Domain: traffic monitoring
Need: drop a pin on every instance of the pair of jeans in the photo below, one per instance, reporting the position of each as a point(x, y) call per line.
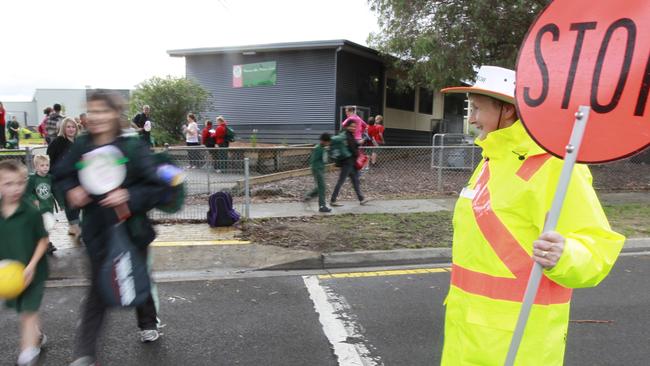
point(93, 313)
point(348, 170)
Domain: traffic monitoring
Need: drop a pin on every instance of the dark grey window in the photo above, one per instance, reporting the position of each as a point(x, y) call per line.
point(403, 98)
point(426, 101)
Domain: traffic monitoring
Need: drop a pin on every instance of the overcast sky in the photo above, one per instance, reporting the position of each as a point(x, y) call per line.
point(119, 43)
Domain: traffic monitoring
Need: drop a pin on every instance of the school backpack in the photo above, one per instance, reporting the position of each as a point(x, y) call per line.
point(230, 134)
point(221, 212)
point(339, 148)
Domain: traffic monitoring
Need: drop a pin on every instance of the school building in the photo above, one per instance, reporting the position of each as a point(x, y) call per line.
point(292, 92)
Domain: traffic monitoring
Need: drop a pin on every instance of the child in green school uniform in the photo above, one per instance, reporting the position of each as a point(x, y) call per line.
point(24, 240)
point(39, 191)
point(317, 162)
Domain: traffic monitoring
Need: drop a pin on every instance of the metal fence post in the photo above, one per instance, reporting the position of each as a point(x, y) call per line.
point(208, 171)
point(247, 196)
point(28, 159)
point(440, 162)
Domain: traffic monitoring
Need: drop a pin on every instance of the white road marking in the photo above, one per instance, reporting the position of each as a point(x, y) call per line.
point(338, 327)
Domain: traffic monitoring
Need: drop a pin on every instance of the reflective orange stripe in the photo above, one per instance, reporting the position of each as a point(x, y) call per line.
point(508, 249)
point(532, 165)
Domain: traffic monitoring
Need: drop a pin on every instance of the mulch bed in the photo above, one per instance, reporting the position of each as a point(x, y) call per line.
point(353, 232)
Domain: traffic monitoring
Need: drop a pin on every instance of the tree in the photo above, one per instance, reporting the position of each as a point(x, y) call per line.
point(170, 99)
point(441, 42)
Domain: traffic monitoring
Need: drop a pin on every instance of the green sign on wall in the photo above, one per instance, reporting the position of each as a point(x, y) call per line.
point(261, 73)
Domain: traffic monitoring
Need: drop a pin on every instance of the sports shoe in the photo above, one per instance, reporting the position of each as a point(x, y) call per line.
point(29, 357)
point(51, 248)
point(364, 202)
point(149, 335)
point(336, 204)
point(324, 209)
point(84, 361)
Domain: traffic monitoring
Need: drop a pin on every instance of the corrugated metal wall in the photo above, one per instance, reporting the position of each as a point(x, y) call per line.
point(296, 110)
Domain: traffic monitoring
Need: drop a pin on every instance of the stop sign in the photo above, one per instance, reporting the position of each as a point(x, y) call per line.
point(593, 53)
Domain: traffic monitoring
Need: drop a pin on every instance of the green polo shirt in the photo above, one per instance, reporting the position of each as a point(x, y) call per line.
point(20, 234)
point(39, 188)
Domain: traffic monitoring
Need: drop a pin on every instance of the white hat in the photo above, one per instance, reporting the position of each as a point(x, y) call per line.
point(493, 81)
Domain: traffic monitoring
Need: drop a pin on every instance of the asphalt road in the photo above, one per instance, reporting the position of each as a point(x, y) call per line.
point(388, 319)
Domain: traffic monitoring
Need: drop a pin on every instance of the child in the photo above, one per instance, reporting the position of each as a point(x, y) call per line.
point(14, 129)
point(39, 191)
point(317, 162)
point(376, 132)
point(24, 240)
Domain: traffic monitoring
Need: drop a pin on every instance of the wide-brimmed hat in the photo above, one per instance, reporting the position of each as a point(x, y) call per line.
point(492, 81)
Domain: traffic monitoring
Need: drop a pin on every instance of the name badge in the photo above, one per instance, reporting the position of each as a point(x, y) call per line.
point(468, 193)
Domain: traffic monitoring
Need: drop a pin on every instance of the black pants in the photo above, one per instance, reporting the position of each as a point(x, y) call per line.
point(3, 137)
point(193, 155)
point(348, 170)
point(212, 154)
point(222, 157)
point(14, 136)
point(93, 312)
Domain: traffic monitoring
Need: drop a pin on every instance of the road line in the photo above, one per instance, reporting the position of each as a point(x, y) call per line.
point(331, 314)
point(198, 243)
point(400, 272)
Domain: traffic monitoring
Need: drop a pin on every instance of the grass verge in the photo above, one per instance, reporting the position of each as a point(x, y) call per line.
point(351, 232)
point(629, 219)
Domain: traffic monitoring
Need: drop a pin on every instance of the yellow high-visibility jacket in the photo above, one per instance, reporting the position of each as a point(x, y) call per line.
point(497, 218)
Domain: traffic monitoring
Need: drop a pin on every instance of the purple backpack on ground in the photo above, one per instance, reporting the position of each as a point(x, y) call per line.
point(221, 212)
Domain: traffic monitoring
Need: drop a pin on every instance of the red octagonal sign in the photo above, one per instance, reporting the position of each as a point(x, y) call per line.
point(593, 53)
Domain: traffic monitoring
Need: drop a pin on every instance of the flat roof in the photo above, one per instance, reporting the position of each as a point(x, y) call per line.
point(277, 47)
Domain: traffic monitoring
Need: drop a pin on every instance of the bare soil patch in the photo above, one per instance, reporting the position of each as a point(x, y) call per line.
point(353, 232)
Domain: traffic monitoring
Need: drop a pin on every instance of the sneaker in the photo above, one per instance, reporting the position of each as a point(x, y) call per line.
point(324, 209)
point(51, 248)
point(364, 202)
point(336, 204)
point(42, 340)
point(149, 335)
point(84, 361)
point(29, 357)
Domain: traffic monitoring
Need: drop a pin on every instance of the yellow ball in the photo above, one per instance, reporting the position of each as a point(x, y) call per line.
point(12, 280)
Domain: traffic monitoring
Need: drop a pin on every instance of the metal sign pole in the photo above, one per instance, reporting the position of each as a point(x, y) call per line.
point(570, 157)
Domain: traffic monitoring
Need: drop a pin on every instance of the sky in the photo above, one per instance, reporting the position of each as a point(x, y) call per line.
point(119, 43)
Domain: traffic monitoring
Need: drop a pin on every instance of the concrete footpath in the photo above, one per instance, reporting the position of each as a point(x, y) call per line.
point(196, 250)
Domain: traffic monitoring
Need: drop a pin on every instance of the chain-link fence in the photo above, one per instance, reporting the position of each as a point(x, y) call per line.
point(208, 171)
point(282, 174)
point(415, 172)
